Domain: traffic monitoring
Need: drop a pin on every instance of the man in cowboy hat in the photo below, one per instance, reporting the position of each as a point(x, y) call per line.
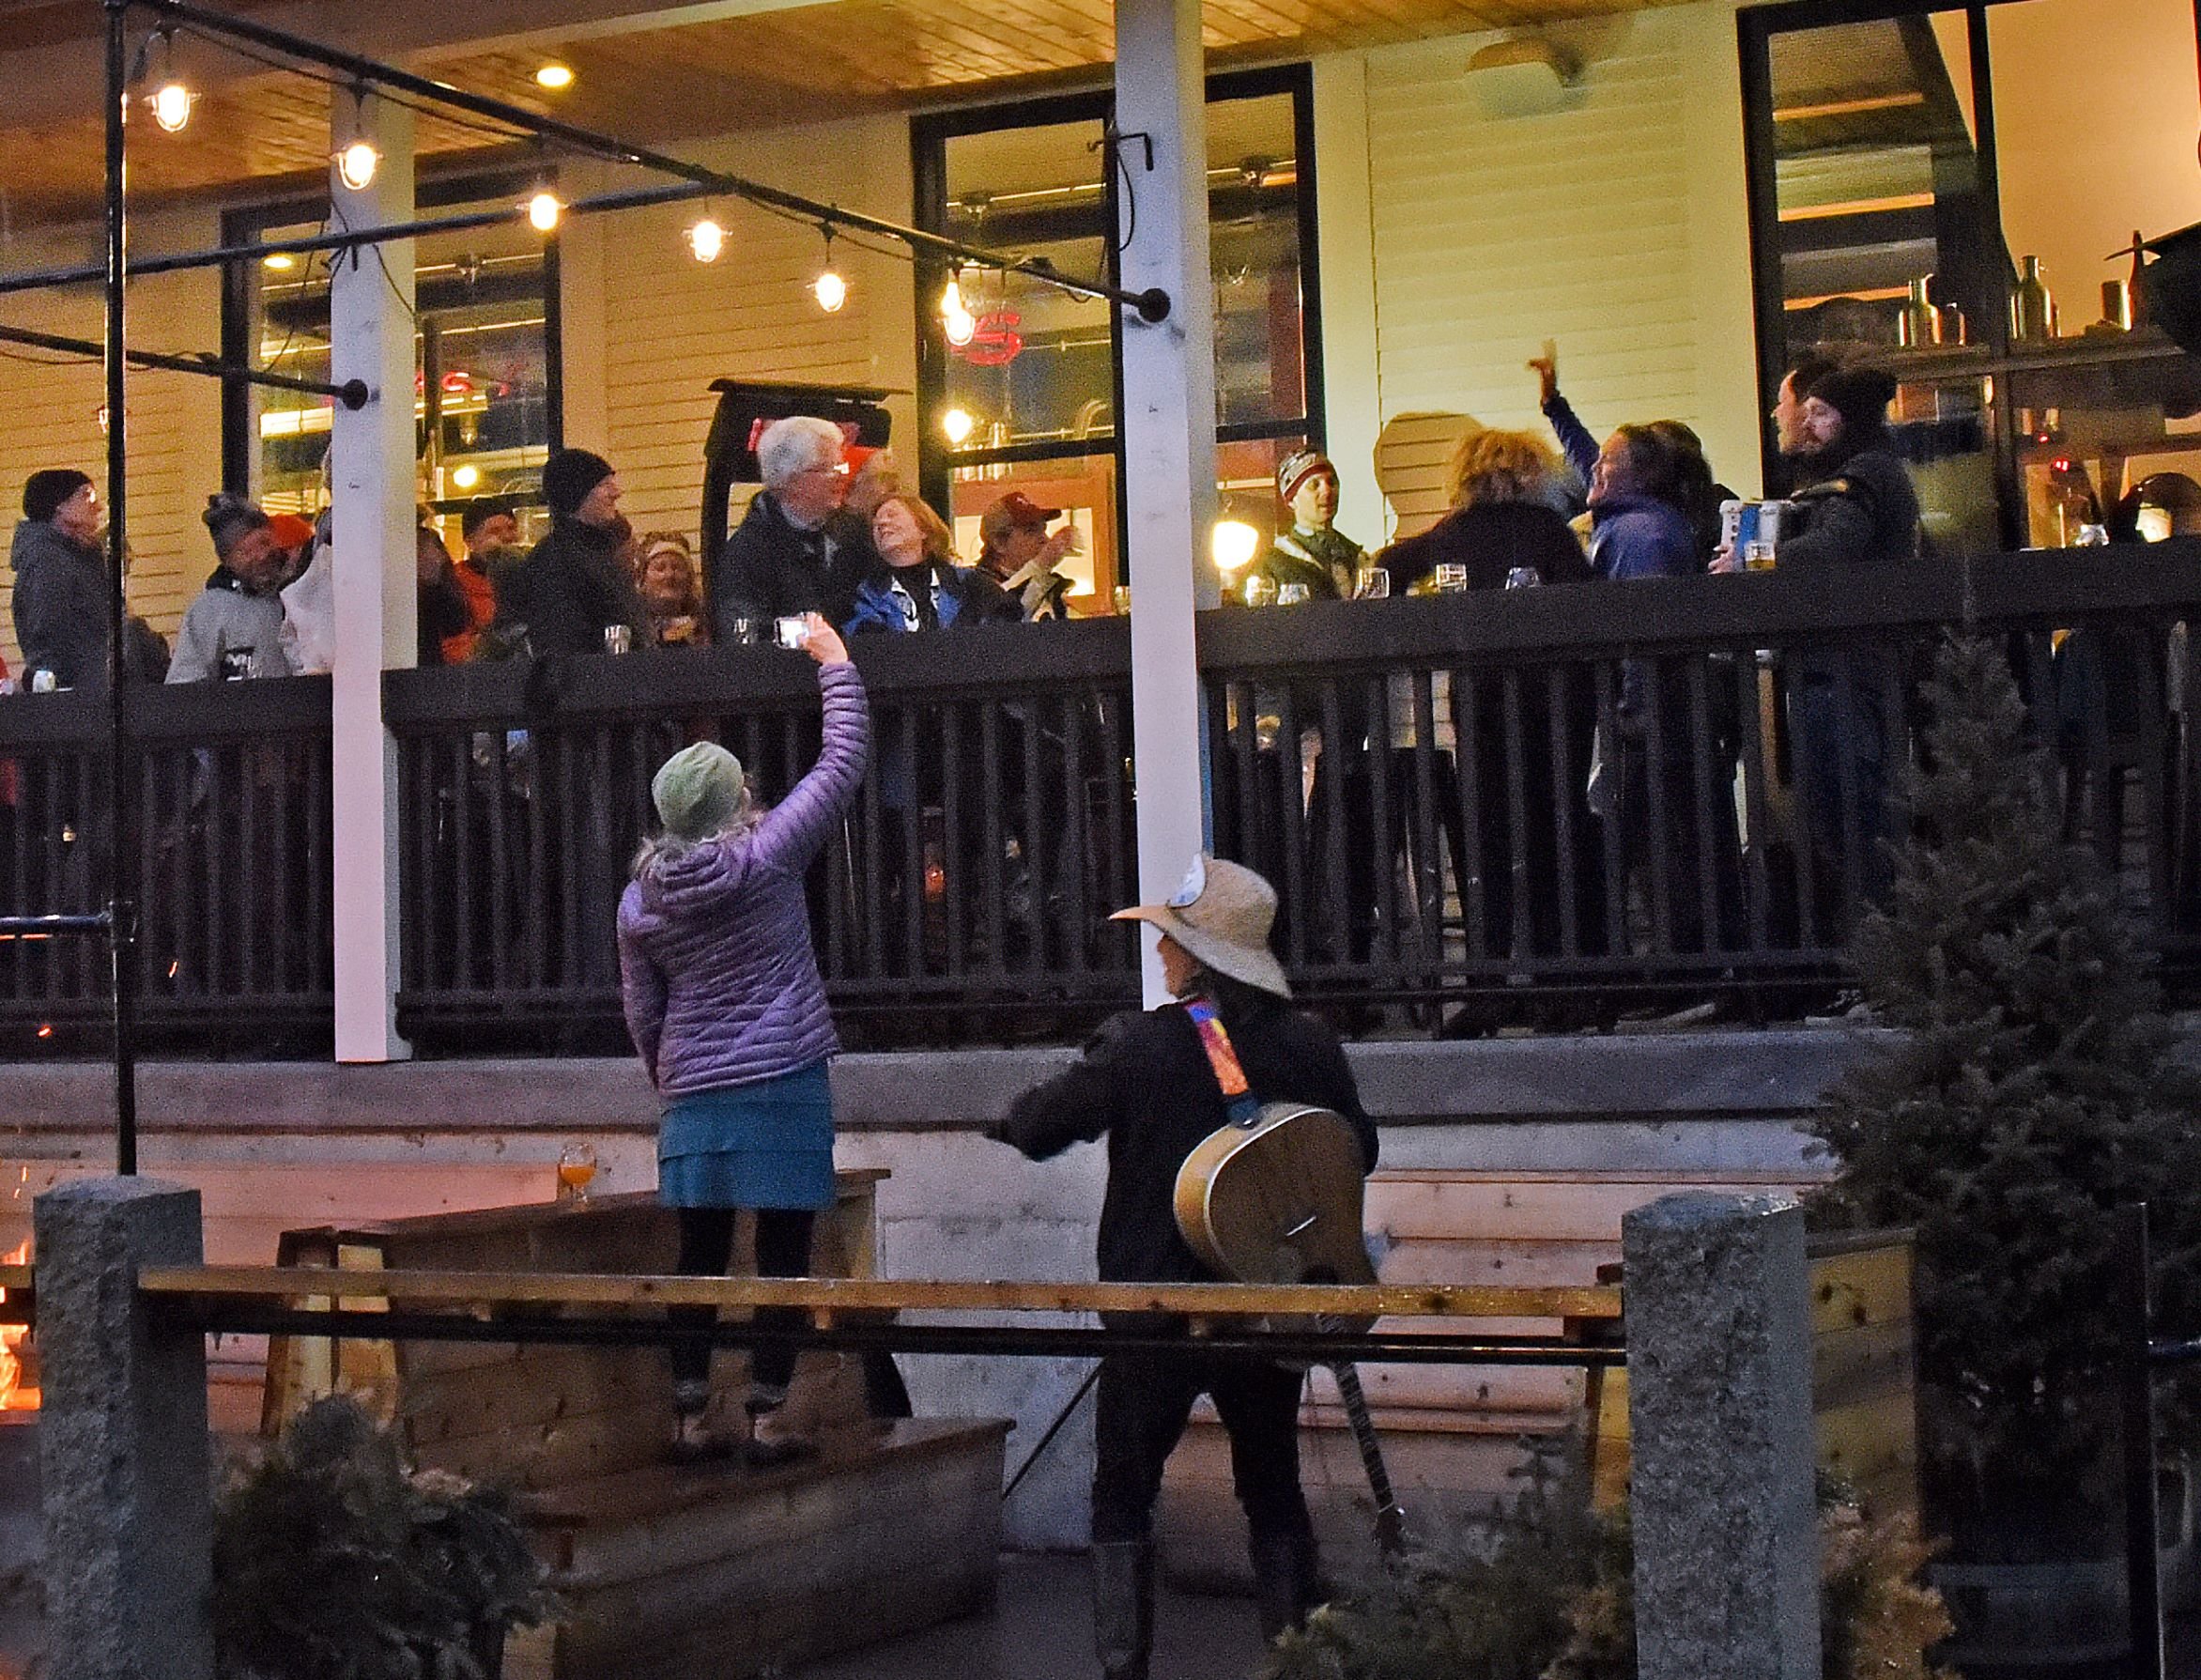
point(1145, 1080)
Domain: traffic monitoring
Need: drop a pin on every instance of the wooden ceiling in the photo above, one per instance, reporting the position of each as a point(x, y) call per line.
point(656, 86)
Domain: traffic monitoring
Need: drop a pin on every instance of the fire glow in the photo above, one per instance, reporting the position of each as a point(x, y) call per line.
point(15, 1395)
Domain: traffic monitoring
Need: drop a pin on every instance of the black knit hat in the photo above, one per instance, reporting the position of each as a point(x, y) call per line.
point(44, 492)
point(483, 509)
point(229, 518)
point(568, 476)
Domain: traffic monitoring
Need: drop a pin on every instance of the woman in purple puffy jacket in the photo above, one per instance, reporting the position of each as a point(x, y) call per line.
point(728, 1011)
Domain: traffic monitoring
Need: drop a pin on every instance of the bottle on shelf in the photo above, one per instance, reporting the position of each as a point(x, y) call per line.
point(1920, 322)
point(2032, 309)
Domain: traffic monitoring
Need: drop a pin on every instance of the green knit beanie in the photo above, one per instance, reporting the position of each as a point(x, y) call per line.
point(697, 790)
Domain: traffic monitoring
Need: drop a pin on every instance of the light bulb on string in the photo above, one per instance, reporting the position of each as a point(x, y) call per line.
point(1234, 544)
point(706, 240)
point(356, 166)
point(960, 327)
point(956, 426)
point(172, 102)
point(951, 294)
point(829, 288)
point(543, 210)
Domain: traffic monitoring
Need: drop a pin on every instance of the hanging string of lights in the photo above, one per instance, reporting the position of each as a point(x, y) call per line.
point(355, 163)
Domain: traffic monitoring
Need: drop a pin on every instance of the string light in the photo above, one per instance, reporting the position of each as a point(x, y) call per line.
point(957, 322)
point(555, 76)
point(465, 477)
point(957, 426)
point(280, 261)
point(544, 211)
point(172, 102)
point(706, 240)
point(1234, 544)
point(356, 166)
point(829, 288)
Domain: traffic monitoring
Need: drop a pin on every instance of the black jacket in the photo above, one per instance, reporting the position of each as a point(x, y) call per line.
point(771, 566)
point(1490, 539)
point(60, 606)
point(567, 590)
point(1862, 509)
point(1144, 1079)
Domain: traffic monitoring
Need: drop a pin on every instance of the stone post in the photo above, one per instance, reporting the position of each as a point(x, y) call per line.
point(1719, 1421)
point(123, 1449)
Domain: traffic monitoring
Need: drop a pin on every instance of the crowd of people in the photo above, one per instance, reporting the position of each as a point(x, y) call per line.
point(843, 538)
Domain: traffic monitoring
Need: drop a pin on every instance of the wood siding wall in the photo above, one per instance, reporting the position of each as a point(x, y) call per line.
point(50, 416)
point(665, 326)
point(1614, 223)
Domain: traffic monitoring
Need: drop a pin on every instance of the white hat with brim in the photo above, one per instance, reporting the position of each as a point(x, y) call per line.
point(1222, 915)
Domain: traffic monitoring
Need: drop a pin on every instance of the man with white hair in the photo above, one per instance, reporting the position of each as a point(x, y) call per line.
point(793, 552)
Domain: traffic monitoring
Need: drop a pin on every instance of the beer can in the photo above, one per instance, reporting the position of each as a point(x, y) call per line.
point(1731, 525)
point(1523, 578)
point(42, 681)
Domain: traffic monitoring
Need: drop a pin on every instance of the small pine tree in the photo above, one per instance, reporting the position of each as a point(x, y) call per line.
point(2032, 1093)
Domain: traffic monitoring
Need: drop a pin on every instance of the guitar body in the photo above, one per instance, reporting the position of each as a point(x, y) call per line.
point(1278, 1201)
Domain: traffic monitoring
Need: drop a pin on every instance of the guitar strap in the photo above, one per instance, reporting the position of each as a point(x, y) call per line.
point(1238, 1102)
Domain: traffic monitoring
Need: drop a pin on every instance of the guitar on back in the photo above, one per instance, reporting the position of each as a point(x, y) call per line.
point(1274, 1196)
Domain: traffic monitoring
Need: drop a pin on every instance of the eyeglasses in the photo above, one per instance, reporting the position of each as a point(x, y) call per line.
point(837, 468)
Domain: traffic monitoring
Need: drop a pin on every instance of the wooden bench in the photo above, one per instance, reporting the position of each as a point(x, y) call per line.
point(668, 1572)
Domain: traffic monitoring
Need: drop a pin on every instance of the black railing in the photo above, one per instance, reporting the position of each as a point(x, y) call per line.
point(1415, 775)
point(968, 885)
point(233, 849)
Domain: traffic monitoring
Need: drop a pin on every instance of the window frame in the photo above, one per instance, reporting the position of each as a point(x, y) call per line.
point(245, 224)
point(928, 135)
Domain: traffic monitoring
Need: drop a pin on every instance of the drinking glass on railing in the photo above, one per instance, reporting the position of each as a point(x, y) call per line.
point(1452, 580)
point(577, 1167)
point(1260, 591)
point(1291, 594)
point(1372, 585)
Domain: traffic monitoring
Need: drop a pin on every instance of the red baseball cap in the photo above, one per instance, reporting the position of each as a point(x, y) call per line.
point(1013, 511)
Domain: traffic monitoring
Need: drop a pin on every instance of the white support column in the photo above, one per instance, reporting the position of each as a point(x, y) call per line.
point(371, 486)
point(1168, 427)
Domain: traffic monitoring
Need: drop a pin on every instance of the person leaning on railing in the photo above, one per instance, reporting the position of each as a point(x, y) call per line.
point(1505, 531)
point(1649, 489)
point(727, 1009)
point(571, 587)
point(1857, 509)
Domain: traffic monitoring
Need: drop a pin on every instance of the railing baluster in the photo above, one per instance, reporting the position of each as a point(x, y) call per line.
point(1468, 750)
point(954, 843)
point(1705, 817)
point(1386, 832)
point(1519, 893)
point(1566, 776)
point(1755, 760)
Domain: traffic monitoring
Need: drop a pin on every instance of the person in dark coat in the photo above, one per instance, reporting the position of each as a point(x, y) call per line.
point(796, 549)
point(440, 602)
point(572, 585)
point(1145, 1082)
point(60, 583)
point(1505, 531)
point(1856, 512)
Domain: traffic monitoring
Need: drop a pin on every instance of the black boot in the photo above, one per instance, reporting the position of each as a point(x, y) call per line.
point(1286, 1580)
point(1123, 1606)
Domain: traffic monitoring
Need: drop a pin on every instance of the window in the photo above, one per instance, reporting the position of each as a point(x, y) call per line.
point(1029, 404)
point(1960, 188)
point(485, 340)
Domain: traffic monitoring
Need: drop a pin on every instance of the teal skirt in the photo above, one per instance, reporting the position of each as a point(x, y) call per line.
point(766, 1144)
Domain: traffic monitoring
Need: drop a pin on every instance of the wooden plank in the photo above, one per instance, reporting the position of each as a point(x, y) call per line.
point(1517, 1262)
point(828, 1295)
point(1865, 1286)
point(1565, 1208)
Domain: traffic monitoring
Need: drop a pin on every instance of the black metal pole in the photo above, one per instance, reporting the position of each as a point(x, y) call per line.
point(352, 394)
point(121, 826)
point(1151, 305)
point(2143, 1563)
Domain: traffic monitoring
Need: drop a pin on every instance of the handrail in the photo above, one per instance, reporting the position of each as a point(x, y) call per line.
point(2058, 588)
point(827, 1296)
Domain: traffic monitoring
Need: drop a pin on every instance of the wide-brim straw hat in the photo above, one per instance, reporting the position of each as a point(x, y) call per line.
point(1222, 915)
